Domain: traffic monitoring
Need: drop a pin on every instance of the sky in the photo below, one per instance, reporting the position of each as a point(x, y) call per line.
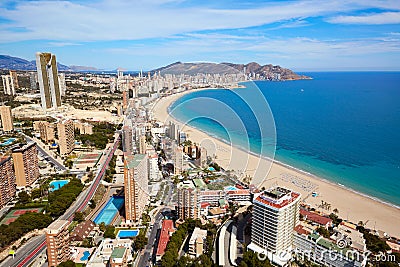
point(318, 35)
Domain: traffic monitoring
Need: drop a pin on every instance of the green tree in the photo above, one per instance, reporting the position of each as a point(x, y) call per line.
point(140, 241)
point(68, 263)
point(79, 217)
point(24, 197)
point(323, 231)
point(109, 232)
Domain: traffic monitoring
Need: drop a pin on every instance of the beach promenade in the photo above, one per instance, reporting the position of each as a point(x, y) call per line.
point(351, 205)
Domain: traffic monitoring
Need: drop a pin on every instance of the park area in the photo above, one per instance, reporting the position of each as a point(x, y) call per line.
point(14, 214)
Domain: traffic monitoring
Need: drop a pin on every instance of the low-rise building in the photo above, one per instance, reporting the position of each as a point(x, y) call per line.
point(197, 242)
point(167, 229)
point(102, 257)
point(82, 231)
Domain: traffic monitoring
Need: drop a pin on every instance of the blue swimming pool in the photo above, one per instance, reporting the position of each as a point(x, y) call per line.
point(230, 188)
point(127, 233)
point(109, 211)
point(8, 142)
point(85, 256)
point(57, 184)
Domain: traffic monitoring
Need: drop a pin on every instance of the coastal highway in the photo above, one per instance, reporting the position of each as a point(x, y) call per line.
point(27, 253)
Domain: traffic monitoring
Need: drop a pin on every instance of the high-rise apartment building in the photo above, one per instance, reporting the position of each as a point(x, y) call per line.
point(14, 78)
point(127, 140)
point(178, 160)
point(66, 136)
point(6, 119)
point(7, 181)
point(46, 130)
point(275, 214)
point(142, 144)
point(8, 84)
point(188, 201)
point(46, 65)
point(26, 164)
point(136, 186)
point(57, 241)
point(154, 171)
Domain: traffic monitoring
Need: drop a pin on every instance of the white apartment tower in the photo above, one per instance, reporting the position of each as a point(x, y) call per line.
point(50, 94)
point(275, 214)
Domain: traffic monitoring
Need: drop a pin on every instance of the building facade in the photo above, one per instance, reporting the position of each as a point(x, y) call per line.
point(275, 214)
point(46, 130)
point(6, 118)
point(136, 187)
point(26, 164)
point(7, 181)
point(50, 94)
point(8, 84)
point(66, 136)
point(57, 241)
point(188, 201)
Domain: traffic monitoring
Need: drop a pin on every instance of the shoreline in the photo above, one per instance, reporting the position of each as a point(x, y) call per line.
point(371, 210)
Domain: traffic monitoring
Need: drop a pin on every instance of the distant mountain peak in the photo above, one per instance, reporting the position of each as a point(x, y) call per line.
point(252, 68)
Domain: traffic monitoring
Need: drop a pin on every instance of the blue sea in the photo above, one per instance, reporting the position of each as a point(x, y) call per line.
point(341, 126)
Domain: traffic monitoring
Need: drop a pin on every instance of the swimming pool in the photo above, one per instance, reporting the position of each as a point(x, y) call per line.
point(85, 256)
point(230, 188)
point(108, 213)
point(127, 233)
point(57, 184)
point(8, 142)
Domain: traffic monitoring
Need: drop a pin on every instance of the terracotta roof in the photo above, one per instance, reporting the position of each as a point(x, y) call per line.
point(166, 229)
point(239, 192)
point(300, 230)
point(311, 216)
point(204, 204)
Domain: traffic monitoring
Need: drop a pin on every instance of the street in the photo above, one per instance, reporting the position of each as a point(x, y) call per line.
point(25, 254)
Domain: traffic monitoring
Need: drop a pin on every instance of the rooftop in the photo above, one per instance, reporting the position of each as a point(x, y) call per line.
point(166, 229)
point(278, 197)
point(56, 226)
point(118, 253)
point(133, 162)
point(197, 232)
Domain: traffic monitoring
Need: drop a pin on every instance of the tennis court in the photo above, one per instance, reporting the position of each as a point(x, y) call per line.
point(14, 214)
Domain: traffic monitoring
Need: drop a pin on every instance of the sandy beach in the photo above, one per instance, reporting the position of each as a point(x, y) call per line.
point(352, 206)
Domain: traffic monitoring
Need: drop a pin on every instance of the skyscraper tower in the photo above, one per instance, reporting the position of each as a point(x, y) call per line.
point(275, 214)
point(46, 65)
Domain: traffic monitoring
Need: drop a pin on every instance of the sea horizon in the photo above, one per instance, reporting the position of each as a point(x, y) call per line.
point(335, 171)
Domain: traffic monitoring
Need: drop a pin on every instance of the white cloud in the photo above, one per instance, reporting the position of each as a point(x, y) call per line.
point(381, 18)
point(135, 20)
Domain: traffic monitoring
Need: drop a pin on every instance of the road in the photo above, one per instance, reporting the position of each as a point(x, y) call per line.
point(148, 254)
point(44, 153)
point(35, 246)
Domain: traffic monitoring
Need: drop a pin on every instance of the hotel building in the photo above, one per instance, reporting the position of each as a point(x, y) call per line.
point(7, 181)
point(188, 201)
point(275, 215)
point(26, 164)
point(57, 241)
point(66, 136)
point(136, 187)
point(6, 118)
point(46, 65)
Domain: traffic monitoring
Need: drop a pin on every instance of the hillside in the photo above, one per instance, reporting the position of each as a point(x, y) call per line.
point(264, 71)
point(16, 63)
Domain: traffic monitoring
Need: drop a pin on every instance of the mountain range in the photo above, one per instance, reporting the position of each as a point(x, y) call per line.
point(265, 71)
